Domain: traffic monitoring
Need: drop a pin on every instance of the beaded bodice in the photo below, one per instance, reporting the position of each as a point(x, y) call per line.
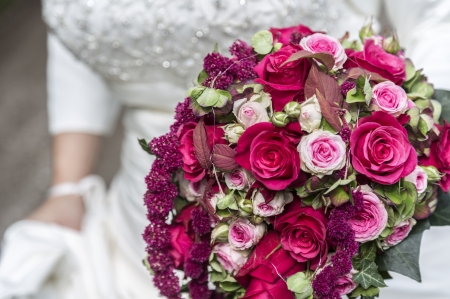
point(143, 40)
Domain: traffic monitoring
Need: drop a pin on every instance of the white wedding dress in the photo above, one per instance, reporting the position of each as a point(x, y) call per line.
point(142, 55)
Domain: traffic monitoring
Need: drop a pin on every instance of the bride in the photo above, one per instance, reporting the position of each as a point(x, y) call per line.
point(85, 241)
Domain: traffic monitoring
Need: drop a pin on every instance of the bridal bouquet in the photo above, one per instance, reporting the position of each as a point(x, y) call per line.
point(300, 166)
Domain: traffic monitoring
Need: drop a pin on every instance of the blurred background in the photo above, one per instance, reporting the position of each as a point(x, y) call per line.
point(25, 144)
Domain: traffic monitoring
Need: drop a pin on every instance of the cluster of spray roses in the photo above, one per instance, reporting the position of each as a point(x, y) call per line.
point(285, 136)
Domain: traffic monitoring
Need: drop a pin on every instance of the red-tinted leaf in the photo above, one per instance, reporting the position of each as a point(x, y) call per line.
point(202, 150)
point(326, 59)
point(354, 73)
point(329, 112)
point(223, 157)
point(328, 86)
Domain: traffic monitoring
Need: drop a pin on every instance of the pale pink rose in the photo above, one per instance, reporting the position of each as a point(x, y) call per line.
point(272, 208)
point(419, 178)
point(401, 231)
point(190, 190)
point(239, 179)
point(249, 113)
point(310, 115)
point(232, 260)
point(345, 284)
point(322, 43)
point(322, 152)
point(243, 234)
point(390, 98)
point(370, 222)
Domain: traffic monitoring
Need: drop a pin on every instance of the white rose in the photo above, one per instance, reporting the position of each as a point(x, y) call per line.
point(233, 132)
point(310, 116)
point(189, 190)
point(419, 178)
point(239, 179)
point(272, 208)
point(249, 113)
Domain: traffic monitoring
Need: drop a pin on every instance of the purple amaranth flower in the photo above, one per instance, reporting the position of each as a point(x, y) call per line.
point(193, 269)
point(221, 81)
point(200, 252)
point(345, 134)
point(166, 148)
point(158, 204)
point(183, 115)
point(201, 223)
point(160, 260)
point(215, 63)
point(167, 283)
point(241, 50)
point(346, 86)
point(199, 290)
point(157, 235)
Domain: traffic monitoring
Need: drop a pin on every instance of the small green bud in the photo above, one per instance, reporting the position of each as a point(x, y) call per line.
point(233, 132)
point(433, 174)
point(293, 109)
point(257, 219)
point(366, 32)
point(245, 206)
point(220, 233)
point(391, 44)
point(280, 119)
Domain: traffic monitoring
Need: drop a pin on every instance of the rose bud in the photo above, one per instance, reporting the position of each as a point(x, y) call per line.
point(272, 208)
point(390, 98)
point(433, 174)
point(244, 235)
point(280, 119)
point(190, 190)
point(322, 152)
point(391, 44)
point(345, 284)
point(231, 260)
point(249, 113)
point(366, 32)
point(255, 219)
point(220, 233)
point(401, 231)
point(239, 179)
point(233, 132)
point(293, 109)
point(419, 178)
point(310, 116)
point(245, 207)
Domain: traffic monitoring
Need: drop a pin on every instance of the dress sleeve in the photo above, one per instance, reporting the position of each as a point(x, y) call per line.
point(423, 27)
point(79, 100)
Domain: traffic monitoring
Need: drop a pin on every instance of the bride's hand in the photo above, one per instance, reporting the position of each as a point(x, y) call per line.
point(67, 210)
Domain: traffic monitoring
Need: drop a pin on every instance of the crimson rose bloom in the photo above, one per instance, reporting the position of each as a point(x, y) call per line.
point(192, 169)
point(285, 35)
point(375, 59)
point(261, 274)
point(286, 82)
point(440, 156)
point(270, 153)
point(380, 149)
point(181, 236)
point(303, 233)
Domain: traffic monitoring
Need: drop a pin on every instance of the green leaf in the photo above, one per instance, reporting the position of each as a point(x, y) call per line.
point(339, 196)
point(393, 193)
point(441, 216)
point(300, 284)
point(368, 275)
point(443, 97)
point(144, 145)
point(218, 276)
point(404, 257)
point(369, 251)
point(216, 266)
point(229, 286)
point(325, 125)
point(210, 97)
point(360, 291)
point(226, 201)
point(202, 77)
point(262, 42)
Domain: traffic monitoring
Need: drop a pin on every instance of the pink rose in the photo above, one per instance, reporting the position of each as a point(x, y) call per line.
point(375, 59)
point(322, 152)
point(381, 150)
point(401, 231)
point(243, 234)
point(286, 35)
point(419, 178)
point(232, 260)
point(345, 284)
point(303, 233)
point(285, 82)
point(181, 236)
point(390, 98)
point(370, 222)
point(190, 190)
point(249, 113)
point(239, 179)
point(270, 154)
point(273, 207)
point(192, 169)
point(322, 43)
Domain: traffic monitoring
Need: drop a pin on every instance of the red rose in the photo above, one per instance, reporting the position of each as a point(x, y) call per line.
point(350, 62)
point(286, 35)
point(192, 169)
point(262, 273)
point(283, 82)
point(181, 236)
point(303, 233)
point(375, 59)
point(270, 153)
point(381, 150)
point(440, 156)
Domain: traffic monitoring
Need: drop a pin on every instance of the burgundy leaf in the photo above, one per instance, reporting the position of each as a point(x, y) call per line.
point(329, 112)
point(202, 150)
point(326, 59)
point(328, 86)
point(354, 73)
point(223, 157)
